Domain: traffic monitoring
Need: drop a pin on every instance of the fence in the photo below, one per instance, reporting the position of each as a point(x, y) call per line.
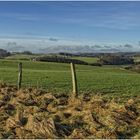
point(56, 78)
point(73, 73)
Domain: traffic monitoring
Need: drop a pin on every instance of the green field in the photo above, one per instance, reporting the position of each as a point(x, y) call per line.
point(28, 57)
point(87, 59)
point(20, 57)
point(56, 77)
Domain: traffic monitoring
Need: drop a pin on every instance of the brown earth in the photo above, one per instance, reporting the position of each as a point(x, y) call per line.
point(33, 113)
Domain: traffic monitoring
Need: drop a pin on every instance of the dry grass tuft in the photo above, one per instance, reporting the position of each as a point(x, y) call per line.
point(33, 113)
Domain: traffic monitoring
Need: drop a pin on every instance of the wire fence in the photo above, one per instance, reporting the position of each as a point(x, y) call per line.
point(23, 78)
point(93, 80)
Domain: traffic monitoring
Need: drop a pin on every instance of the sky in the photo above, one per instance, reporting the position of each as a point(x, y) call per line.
point(71, 23)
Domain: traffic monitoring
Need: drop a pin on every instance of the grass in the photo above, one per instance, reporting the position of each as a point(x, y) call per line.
point(20, 57)
point(28, 57)
point(87, 59)
point(56, 77)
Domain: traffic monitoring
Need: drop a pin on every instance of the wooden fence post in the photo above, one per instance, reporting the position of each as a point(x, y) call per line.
point(19, 75)
point(74, 81)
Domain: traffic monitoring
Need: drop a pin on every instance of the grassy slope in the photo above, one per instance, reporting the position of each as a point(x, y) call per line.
point(28, 57)
point(57, 77)
point(87, 59)
point(20, 57)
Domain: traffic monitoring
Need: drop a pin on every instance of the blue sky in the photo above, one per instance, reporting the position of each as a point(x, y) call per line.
point(83, 22)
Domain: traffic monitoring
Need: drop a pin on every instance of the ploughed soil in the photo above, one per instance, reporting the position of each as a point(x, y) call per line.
point(34, 113)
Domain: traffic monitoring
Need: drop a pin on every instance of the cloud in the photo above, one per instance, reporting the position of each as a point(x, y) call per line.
point(128, 46)
point(139, 43)
point(110, 50)
point(53, 39)
point(13, 46)
point(122, 16)
point(107, 47)
point(118, 17)
point(54, 44)
point(96, 46)
point(23, 16)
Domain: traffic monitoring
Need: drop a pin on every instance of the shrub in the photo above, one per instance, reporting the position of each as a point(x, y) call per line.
point(96, 64)
point(60, 60)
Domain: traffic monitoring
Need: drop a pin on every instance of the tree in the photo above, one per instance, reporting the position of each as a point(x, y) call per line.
point(27, 52)
point(116, 60)
point(4, 53)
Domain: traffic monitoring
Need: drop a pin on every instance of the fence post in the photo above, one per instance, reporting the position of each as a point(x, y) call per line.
point(19, 75)
point(74, 80)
